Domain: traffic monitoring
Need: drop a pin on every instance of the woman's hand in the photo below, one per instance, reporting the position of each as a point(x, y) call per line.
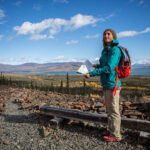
point(87, 75)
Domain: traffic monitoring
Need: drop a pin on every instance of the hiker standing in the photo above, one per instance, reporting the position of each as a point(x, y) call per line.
point(109, 59)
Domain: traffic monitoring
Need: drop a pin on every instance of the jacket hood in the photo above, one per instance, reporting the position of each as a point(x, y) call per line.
point(114, 42)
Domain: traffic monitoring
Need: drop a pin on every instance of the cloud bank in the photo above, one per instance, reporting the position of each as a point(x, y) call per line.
point(132, 33)
point(48, 28)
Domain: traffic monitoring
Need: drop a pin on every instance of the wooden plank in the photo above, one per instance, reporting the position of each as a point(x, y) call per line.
point(73, 114)
point(136, 124)
point(142, 125)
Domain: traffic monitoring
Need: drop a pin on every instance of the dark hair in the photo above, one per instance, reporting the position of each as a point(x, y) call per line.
point(113, 33)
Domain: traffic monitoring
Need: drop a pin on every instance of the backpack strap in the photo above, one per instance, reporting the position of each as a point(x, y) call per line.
point(125, 53)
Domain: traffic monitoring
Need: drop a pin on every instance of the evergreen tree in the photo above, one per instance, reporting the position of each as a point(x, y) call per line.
point(61, 85)
point(67, 83)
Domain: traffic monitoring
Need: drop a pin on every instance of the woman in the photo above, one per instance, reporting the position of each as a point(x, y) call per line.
point(109, 59)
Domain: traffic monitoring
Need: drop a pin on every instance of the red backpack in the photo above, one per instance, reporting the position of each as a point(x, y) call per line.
point(124, 68)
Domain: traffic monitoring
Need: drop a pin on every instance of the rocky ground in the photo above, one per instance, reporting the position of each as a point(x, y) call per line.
point(22, 128)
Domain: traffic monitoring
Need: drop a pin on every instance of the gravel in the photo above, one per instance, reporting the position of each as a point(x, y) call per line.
point(21, 130)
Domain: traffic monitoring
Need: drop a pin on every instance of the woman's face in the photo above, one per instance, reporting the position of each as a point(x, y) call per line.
point(108, 37)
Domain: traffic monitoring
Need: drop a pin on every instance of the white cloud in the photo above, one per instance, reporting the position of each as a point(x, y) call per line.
point(60, 58)
point(52, 26)
point(80, 20)
point(72, 42)
point(141, 61)
point(139, 2)
point(2, 14)
point(33, 28)
point(22, 60)
point(92, 36)
point(37, 7)
point(146, 30)
point(13, 61)
point(127, 34)
point(18, 3)
point(63, 59)
point(61, 1)
point(1, 36)
point(2, 22)
point(40, 37)
point(132, 33)
point(110, 16)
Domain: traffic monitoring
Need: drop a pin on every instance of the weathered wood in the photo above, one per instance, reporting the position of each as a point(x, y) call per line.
point(73, 114)
point(142, 125)
point(136, 124)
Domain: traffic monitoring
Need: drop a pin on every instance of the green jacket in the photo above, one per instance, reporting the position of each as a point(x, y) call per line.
point(109, 59)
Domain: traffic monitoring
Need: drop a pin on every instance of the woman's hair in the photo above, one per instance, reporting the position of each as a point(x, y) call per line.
point(113, 33)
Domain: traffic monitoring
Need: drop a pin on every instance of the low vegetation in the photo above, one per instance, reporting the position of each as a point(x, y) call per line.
point(134, 88)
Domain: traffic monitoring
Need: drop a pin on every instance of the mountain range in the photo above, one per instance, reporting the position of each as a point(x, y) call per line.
point(35, 67)
point(52, 67)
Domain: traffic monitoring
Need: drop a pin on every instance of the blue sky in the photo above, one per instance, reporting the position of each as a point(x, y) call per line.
point(44, 31)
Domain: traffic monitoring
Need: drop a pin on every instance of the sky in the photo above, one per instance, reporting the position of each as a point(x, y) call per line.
point(43, 31)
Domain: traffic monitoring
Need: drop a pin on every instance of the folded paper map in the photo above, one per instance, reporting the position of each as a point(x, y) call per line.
point(86, 67)
point(83, 69)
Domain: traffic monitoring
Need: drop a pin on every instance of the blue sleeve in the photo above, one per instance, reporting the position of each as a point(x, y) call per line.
point(112, 62)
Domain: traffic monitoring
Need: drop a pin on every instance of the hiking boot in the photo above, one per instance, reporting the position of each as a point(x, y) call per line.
point(110, 138)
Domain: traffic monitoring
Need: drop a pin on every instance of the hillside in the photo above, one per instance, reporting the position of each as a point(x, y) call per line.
point(34, 67)
point(60, 67)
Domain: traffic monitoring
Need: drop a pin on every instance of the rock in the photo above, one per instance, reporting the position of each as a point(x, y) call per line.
point(44, 131)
